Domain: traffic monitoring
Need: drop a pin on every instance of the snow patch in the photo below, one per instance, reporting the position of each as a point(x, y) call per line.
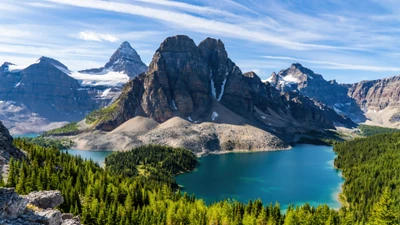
point(173, 105)
point(17, 84)
point(190, 119)
point(222, 90)
point(109, 79)
point(263, 117)
point(338, 111)
point(106, 92)
point(214, 115)
point(213, 91)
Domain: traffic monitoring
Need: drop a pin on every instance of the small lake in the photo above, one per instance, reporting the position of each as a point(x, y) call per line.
point(32, 135)
point(97, 156)
point(302, 174)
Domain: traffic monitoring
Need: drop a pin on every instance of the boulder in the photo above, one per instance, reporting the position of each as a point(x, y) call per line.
point(45, 199)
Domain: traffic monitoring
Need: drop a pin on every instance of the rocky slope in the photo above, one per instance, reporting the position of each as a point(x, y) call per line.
point(312, 85)
point(33, 209)
point(7, 151)
point(46, 94)
point(202, 86)
point(380, 99)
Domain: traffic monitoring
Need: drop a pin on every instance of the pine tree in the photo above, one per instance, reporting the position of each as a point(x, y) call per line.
point(383, 210)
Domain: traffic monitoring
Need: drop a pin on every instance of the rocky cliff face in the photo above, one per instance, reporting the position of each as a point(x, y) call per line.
point(314, 86)
point(33, 209)
point(125, 60)
point(380, 99)
point(7, 150)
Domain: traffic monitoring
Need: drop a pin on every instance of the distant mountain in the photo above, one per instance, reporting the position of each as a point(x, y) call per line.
point(200, 88)
point(379, 99)
point(314, 86)
point(125, 60)
point(46, 94)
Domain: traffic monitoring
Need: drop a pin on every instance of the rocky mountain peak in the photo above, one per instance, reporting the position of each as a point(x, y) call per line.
point(125, 60)
point(178, 43)
point(50, 61)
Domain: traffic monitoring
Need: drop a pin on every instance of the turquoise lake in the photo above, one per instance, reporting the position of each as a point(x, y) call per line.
point(97, 156)
point(303, 174)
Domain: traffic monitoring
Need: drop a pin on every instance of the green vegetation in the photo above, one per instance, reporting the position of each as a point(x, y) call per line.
point(367, 130)
point(156, 162)
point(133, 188)
point(69, 129)
point(370, 165)
point(63, 143)
point(102, 114)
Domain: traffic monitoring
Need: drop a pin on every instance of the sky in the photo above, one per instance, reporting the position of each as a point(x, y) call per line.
point(345, 40)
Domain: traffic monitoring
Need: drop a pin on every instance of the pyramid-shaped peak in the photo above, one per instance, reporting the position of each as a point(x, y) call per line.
point(51, 61)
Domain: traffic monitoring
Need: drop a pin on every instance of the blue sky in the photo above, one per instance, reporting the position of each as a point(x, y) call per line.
point(344, 40)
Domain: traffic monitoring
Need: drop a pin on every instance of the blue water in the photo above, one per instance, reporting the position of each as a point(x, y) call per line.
point(302, 174)
point(33, 135)
point(97, 156)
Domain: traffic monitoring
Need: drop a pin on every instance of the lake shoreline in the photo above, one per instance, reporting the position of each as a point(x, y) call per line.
point(202, 154)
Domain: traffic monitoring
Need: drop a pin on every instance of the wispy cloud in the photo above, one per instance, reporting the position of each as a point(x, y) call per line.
point(92, 36)
point(335, 65)
point(199, 24)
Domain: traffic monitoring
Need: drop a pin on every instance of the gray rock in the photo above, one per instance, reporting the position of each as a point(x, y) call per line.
point(45, 199)
point(11, 204)
point(50, 216)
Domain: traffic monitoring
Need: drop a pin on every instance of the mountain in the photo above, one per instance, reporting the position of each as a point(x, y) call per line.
point(125, 60)
point(46, 94)
point(198, 94)
point(379, 99)
point(314, 86)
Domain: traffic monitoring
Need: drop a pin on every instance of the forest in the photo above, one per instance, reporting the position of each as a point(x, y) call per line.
point(135, 187)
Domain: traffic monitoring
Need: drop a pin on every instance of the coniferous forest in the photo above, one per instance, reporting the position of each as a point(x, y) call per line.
point(137, 187)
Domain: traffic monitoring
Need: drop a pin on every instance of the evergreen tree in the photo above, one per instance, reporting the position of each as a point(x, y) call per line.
point(383, 211)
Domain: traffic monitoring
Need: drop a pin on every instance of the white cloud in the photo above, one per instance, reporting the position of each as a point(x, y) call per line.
point(92, 36)
point(198, 24)
point(336, 65)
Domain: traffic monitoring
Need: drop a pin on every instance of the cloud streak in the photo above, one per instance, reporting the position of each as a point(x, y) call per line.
point(92, 36)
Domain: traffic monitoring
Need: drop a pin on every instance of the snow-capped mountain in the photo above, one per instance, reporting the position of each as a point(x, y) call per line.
point(305, 81)
point(47, 92)
point(124, 61)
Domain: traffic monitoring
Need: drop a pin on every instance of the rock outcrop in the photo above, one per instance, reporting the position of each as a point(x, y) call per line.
point(33, 209)
point(7, 150)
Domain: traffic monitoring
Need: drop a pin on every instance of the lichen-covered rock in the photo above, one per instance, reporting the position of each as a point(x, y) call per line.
point(28, 210)
point(45, 199)
point(11, 204)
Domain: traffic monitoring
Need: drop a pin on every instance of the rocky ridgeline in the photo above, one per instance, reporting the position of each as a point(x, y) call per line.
point(33, 209)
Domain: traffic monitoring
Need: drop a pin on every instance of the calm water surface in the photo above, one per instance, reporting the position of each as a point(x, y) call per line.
point(97, 156)
point(302, 174)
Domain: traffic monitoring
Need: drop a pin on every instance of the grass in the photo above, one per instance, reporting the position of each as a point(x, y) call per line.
point(69, 129)
point(101, 114)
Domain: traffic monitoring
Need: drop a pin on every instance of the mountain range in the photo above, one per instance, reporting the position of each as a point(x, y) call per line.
point(46, 94)
point(194, 92)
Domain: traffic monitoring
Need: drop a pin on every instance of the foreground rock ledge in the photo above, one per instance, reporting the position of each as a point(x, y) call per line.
point(33, 209)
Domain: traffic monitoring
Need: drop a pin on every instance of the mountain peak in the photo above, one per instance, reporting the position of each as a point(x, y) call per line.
point(53, 62)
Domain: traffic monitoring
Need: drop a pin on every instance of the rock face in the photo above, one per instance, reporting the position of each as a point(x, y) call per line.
point(380, 99)
point(7, 150)
point(125, 60)
point(314, 86)
point(33, 209)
